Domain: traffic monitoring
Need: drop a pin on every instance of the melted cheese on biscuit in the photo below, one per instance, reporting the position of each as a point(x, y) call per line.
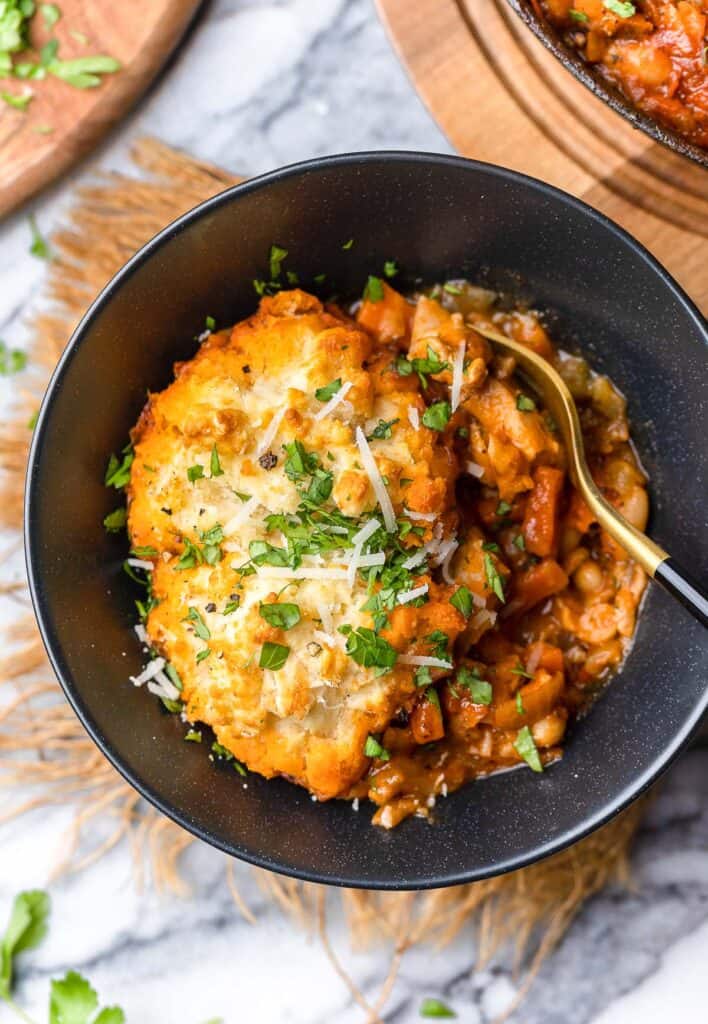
point(200, 466)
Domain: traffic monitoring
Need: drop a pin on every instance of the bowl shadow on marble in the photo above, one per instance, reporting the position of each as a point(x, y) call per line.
point(437, 216)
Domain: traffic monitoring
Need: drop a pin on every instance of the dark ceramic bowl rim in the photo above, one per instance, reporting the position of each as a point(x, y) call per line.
point(33, 557)
point(612, 97)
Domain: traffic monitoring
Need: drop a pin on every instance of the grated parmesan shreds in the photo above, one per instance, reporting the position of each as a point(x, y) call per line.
point(272, 572)
point(410, 595)
point(140, 563)
point(447, 560)
point(458, 366)
point(168, 687)
point(325, 617)
point(414, 417)
point(358, 540)
point(423, 517)
point(377, 483)
point(240, 517)
point(367, 561)
point(149, 672)
point(474, 469)
point(368, 530)
point(141, 632)
point(334, 401)
point(328, 639)
point(423, 661)
point(271, 431)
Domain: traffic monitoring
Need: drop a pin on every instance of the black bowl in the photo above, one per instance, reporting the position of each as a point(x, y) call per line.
point(437, 216)
point(586, 74)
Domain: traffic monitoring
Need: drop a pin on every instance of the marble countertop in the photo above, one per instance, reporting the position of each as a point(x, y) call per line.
point(256, 84)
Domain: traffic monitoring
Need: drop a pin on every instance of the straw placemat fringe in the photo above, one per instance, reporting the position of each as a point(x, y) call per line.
point(47, 759)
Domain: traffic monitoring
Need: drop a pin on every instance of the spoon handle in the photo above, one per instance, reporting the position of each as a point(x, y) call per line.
point(680, 585)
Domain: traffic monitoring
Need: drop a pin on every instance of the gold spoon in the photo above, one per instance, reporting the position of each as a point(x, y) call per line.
point(656, 562)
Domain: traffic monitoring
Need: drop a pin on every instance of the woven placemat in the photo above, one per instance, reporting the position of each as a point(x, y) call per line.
point(44, 751)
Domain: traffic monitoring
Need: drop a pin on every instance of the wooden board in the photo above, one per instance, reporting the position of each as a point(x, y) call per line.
point(500, 96)
point(141, 35)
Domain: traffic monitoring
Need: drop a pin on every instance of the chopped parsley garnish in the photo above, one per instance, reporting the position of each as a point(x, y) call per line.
point(115, 521)
point(620, 8)
point(215, 465)
point(203, 655)
point(144, 552)
point(519, 702)
point(242, 496)
point(212, 539)
point(372, 748)
point(200, 627)
point(526, 747)
point(299, 462)
point(382, 431)
point(519, 542)
point(329, 390)
point(462, 600)
point(191, 556)
point(291, 277)
point(172, 673)
point(434, 1008)
point(438, 643)
point(373, 291)
point(437, 415)
point(524, 403)
point(479, 689)
point(195, 472)
point(263, 553)
point(118, 470)
point(275, 258)
point(490, 545)
point(390, 268)
point(223, 753)
point(423, 367)
point(39, 246)
point(231, 605)
point(348, 245)
point(282, 616)
point(273, 656)
point(320, 487)
point(50, 13)
point(519, 670)
point(422, 676)
point(431, 695)
point(495, 581)
point(503, 508)
point(319, 278)
point(209, 323)
point(18, 101)
point(578, 15)
point(193, 736)
point(369, 649)
point(452, 289)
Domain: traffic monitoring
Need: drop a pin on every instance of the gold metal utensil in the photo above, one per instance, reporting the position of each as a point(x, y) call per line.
point(656, 562)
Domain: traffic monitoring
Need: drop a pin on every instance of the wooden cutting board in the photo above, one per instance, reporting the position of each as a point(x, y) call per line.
point(500, 96)
point(139, 33)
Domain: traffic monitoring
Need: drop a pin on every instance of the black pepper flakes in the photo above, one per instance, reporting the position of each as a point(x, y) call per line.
point(246, 369)
point(268, 460)
point(211, 607)
point(167, 511)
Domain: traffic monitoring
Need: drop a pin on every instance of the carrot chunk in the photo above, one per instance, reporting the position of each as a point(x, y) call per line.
point(388, 319)
point(534, 585)
point(426, 721)
point(540, 525)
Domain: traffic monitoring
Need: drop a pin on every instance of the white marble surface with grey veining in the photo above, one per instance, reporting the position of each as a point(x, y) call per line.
point(257, 84)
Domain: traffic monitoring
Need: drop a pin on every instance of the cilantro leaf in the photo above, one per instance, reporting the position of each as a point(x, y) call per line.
point(299, 461)
point(329, 390)
point(369, 649)
point(462, 600)
point(437, 415)
point(373, 291)
point(25, 930)
point(382, 431)
point(115, 521)
point(372, 748)
point(422, 676)
point(480, 690)
point(273, 656)
point(215, 465)
point(526, 747)
point(282, 616)
point(74, 1001)
point(434, 1008)
point(495, 581)
point(200, 627)
point(320, 487)
point(275, 258)
point(195, 472)
point(118, 471)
